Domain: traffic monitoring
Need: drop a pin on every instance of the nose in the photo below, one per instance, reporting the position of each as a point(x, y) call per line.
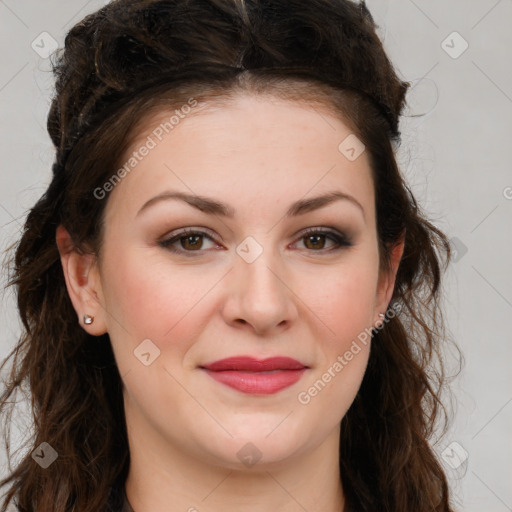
point(260, 294)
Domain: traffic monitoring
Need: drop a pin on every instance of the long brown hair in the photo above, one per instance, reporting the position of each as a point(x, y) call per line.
point(120, 65)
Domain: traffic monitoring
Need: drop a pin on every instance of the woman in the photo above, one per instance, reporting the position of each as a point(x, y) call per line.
point(229, 293)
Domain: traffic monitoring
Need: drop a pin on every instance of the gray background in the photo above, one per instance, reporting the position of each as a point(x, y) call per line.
point(456, 158)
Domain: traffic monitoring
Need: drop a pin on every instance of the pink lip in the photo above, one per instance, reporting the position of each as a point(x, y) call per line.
point(250, 375)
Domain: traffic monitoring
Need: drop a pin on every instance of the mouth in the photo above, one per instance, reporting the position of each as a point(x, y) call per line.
point(253, 376)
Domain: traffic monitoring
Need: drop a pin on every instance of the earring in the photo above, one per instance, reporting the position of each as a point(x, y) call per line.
point(382, 315)
point(88, 319)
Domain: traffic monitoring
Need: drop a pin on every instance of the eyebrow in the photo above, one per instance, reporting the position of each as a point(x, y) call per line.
point(214, 207)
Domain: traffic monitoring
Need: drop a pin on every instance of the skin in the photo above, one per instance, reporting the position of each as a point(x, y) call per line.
point(299, 298)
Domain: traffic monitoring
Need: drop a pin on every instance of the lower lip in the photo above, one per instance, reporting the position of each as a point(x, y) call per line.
point(262, 383)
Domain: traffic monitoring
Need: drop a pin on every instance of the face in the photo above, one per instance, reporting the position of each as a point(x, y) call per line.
point(182, 283)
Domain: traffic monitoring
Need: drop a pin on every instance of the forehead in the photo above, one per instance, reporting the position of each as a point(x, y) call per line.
point(246, 147)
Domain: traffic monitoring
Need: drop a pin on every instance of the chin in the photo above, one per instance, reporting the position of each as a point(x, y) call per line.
point(254, 449)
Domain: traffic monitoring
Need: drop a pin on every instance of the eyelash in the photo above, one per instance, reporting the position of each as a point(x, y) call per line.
point(340, 239)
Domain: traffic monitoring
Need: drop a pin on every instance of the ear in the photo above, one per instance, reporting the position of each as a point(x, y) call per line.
point(386, 282)
point(83, 283)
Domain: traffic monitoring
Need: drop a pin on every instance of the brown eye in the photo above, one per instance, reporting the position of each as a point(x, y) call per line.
point(189, 241)
point(192, 241)
point(315, 240)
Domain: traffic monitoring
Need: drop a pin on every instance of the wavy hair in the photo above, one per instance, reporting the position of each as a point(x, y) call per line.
point(119, 66)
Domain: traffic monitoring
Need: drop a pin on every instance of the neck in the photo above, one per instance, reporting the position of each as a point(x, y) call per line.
point(163, 479)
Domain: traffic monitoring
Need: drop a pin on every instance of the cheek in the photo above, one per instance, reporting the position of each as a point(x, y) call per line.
point(345, 306)
point(146, 301)
point(344, 299)
point(140, 296)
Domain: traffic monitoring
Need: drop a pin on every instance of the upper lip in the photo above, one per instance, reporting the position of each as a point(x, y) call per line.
point(251, 364)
